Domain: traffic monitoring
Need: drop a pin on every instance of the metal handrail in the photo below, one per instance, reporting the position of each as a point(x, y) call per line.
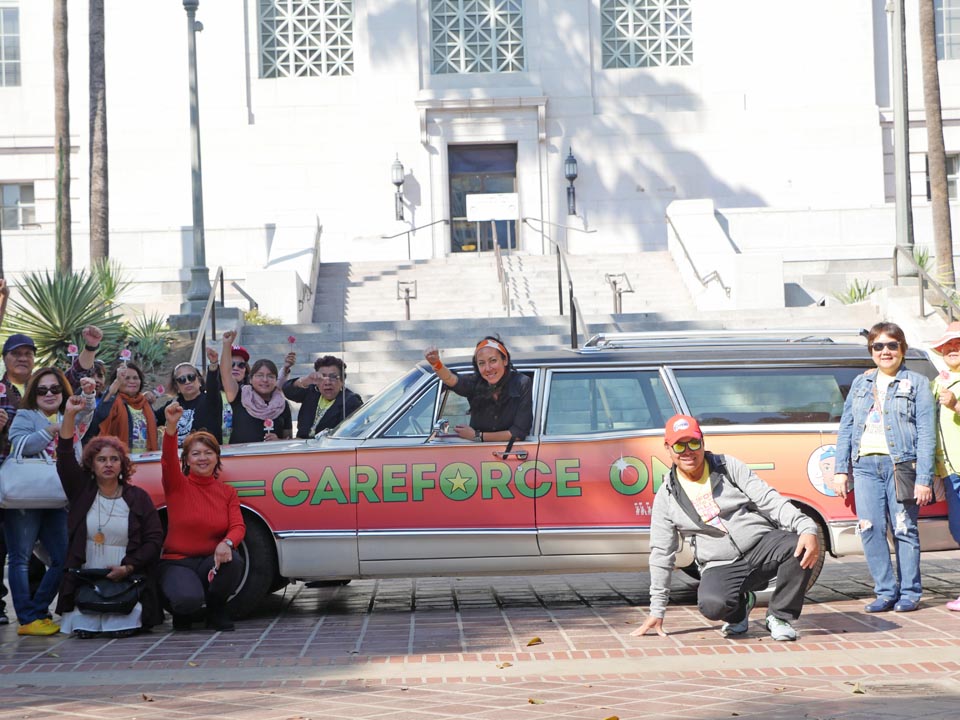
point(502, 277)
point(412, 230)
point(576, 316)
point(209, 313)
point(703, 279)
point(951, 307)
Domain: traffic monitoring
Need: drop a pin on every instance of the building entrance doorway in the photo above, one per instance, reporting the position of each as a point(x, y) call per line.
point(480, 169)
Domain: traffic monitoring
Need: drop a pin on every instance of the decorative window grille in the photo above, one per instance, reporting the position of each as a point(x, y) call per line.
point(474, 36)
point(947, 18)
point(302, 38)
point(17, 206)
point(646, 33)
point(9, 46)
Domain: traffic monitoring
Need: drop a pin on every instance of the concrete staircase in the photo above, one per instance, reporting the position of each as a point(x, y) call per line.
point(376, 352)
point(466, 285)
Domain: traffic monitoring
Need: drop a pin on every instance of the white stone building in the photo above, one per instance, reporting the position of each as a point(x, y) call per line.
point(776, 113)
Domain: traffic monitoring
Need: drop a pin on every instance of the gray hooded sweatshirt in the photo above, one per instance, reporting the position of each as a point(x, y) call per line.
point(749, 508)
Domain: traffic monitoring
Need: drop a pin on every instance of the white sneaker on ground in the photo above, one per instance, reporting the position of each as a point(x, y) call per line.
point(740, 628)
point(779, 629)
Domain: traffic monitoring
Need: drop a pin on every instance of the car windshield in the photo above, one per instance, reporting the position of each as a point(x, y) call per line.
point(369, 415)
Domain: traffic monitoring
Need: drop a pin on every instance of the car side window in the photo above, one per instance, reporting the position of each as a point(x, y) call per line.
point(417, 421)
point(751, 395)
point(600, 401)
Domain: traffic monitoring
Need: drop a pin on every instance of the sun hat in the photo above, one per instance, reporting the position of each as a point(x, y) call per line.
point(951, 333)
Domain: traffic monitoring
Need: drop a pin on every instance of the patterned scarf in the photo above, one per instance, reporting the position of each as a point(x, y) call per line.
point(260, 408)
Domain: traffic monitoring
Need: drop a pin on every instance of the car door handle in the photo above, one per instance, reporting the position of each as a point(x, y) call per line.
point(505, 454)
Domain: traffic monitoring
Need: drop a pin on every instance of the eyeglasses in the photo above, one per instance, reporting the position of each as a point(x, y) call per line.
point(239, 364)
point(188, 378)
point(892, 345)
point(328, 376)
point(681, 447)
point(53, 390)
point(261, 376)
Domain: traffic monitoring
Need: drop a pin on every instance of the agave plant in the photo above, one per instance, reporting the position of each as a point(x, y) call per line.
point(856, 292)
point(149, 338)
point(54, 309)
point(111, 279)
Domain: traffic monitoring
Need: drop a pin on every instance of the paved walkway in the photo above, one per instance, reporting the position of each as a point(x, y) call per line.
point(539, 647)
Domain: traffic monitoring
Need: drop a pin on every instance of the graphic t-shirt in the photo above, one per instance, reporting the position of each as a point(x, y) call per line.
point(701, 495)
point(322, 406)
point(874, 439)
point(138, 434)
point(948, 432)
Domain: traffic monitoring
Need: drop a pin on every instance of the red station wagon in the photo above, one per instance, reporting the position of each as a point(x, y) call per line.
point(390, 493)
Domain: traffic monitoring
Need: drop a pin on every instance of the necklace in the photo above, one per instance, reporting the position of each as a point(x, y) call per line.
point(98, 536)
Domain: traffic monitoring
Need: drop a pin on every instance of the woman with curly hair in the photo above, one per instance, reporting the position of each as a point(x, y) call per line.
point(501, 399)
point(200, 565)
point(112, 525)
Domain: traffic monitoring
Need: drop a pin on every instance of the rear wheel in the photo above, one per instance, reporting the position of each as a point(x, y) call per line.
point(261, 568)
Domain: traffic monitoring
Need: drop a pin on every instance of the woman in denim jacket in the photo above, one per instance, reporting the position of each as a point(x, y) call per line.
point(886, 432)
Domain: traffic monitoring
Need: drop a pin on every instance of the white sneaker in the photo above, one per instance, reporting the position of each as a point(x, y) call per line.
point(740, 628)
point(780, 630)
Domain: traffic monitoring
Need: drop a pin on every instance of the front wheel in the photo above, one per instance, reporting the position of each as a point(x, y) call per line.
point(260, 556)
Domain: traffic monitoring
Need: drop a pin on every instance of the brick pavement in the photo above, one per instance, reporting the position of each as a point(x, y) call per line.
point(445, 648)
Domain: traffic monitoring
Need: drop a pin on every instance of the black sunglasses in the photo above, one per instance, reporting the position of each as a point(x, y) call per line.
point(188, 378)
point(53, 390)
point(892, 345)
point(239, 364)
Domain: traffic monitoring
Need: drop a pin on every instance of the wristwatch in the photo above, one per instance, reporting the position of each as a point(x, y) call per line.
point(228, 542)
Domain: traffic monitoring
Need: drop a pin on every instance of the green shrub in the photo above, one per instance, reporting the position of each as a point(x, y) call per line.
point(111, 279)
point(856, 292)
point(55, 309)
point(255, 317)
point(148, 338)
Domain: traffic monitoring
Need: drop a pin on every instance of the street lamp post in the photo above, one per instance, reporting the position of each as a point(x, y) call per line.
point(396, 177)
point(199, 274)
point(901, 132)
point(570, 173)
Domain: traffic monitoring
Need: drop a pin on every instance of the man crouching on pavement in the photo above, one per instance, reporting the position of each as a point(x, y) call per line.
point(743, 534)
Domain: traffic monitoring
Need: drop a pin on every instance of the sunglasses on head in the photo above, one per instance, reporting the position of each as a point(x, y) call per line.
point(239, 363)
point(53, 390)
point(681, 447)
point(188, 378)
point(892, 345)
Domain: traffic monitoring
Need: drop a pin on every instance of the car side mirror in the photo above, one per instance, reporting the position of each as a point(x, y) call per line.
point(440, 427)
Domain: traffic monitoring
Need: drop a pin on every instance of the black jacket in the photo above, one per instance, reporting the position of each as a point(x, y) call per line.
point(345, 403)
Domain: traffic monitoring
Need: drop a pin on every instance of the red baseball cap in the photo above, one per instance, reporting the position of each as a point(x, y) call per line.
point(241, 351)
point(682, 427)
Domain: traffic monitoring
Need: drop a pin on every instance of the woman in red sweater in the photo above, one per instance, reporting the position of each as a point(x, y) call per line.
point(200, 565)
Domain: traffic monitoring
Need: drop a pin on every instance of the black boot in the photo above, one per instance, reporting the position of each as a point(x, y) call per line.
point(217, 616)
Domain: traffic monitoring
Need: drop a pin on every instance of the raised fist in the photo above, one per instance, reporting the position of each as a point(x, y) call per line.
point(92, 335)
point(173, 412)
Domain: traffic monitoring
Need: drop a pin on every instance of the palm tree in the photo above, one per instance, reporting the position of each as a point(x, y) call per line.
point(61, 91)
point(936, 153)
point(99, 196)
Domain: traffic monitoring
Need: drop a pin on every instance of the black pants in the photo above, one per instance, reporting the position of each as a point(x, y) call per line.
point(184, 583)
point(723, 590)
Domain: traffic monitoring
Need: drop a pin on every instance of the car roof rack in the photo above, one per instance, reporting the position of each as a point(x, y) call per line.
point(604, 341)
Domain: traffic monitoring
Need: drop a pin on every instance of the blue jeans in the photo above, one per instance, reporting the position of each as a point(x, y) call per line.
point(951, 488)
point(22, 529)
point(878, 509)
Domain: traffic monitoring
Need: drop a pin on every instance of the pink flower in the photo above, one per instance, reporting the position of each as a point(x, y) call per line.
point(159, 389)
point(268, 424)
point(71, 349)
point(125, 354)
point(292, 339)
